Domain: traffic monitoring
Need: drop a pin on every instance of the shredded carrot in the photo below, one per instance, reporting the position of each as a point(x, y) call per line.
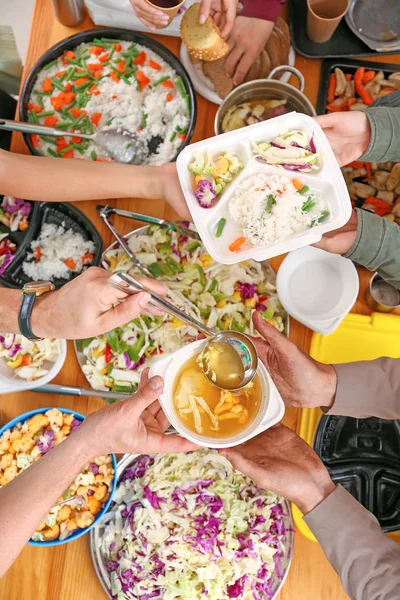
point(104, 57)
point(121, 66)
point(87, 258)
point(368, 76)
point(96, 118)
point(35, 140)
point(141, 58)
point(169, 97)
point(97, 50)
point(115, 77)
point(117, 47)
point(69, 54)
point(154, 65)
point(34, 107)
point(71, 264)
point(94, 91)
point(51, 121)
point(237, 244)
point(47, 85)
point(297, 184)
point(81, 81)
point(168, 84)
point(331, 88)
point(182, 137)
point(95, 67)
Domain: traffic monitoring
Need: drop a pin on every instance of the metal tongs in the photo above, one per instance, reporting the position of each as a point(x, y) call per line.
point(106, 211)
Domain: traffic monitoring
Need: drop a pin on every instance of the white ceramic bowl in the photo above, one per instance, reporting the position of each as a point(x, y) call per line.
point(10, 383)
point(271, 410)
point(317, 288)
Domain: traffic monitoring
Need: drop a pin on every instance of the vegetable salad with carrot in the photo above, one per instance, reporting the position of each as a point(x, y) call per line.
point(109, 84)
point(28, 360)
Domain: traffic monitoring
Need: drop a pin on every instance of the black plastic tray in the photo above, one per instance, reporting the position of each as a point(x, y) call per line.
point(111, 32)
point(348, 66)
point(363, 455)
point(342, 43)
point(59, 213)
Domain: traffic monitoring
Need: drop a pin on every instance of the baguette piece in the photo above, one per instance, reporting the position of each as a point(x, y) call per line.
point(204, 42)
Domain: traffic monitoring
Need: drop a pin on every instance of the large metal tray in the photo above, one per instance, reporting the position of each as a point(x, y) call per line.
point(82, 359)
point(101, 569)
point(376, 23)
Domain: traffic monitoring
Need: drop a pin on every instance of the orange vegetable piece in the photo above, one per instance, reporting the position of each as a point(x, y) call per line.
point(104, 57)
point(237, 244)
point(34, 107)
point(141, 58)
point(117, 47)
point(364, 94)
point(60, 141)
point(96, 118)
point(51, 121)
point(121, 66)
point(95, 67)
point(71, 264)
point(356, 164)
point(69, 154)
point(56, 102)
point(35, 140)
point(26, 360)
point(115, 77)
point(87, 258)
point(351, 101)
point(169, 97)
point(168, 84)
point(142, 79)
point(297, 184)
point(97, 74)
point(369, 171)
point(359, 75)
point(97, 50)
point(77, 112)
point(76, 139)
point(333, 108)
point(154, 65)
point(368, 76)
point(60, 73)
point(47, 85)
point(182, 137)
point(349, 76)
point(68, 87)
point(81, 81)
point(69, 54)
point(331, 88)
point(94, 91)
point(37, 253)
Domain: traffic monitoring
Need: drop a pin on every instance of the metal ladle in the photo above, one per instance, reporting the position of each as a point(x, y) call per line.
point(124, 146)
point(242, 345)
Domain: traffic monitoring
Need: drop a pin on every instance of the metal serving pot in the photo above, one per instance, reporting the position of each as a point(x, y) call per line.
point(267, 88)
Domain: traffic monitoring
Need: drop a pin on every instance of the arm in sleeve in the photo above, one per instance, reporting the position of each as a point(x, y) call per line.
point(261, 9)
point(385, 141)
point(377, 245)
point(368, 389)
point(366, 560)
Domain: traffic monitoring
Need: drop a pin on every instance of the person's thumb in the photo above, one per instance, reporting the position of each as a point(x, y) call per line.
point(329, 120)
point(204, 12)
point(148, 392)
point(268, 331)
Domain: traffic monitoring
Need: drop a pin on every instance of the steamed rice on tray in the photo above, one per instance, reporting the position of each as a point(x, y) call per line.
point(189, 526)
point(110, 84)
point(222, 296)
point(58, 253)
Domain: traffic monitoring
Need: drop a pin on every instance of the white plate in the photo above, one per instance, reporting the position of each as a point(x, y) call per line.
point(328, 181)
point(317, 288)
point(203, 84)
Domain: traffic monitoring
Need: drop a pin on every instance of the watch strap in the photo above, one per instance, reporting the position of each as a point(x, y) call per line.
point(24, 318)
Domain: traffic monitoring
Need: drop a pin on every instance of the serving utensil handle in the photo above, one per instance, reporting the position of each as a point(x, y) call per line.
point(33, 128)
point(129, 285)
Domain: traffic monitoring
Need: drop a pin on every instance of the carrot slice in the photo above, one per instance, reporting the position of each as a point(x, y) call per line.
point(154, 65)
point(68, 87)
point(169, 97)
point(71, 264)
point(76, 139)
point(104, 57)
point(141, 58)
point(237, 244)
point(349, 76)
point(34, 107)
point(69, 54)
point(77, 112)
point(87, 258)
point(95, 67)
point(97, 50)
point(60, 73)
point(297, 184)
point(69, 154)
point(96, 118)
point(331, 88)
point(115, 77)
point(81, 81)
point(182, 137)
point(142, 79)
point(37, 253)
point(35, 140)
point(117, 47)
point(368, 76)
point(94, 91)
point(51, 121)
point(168, 84)
point(47, 85)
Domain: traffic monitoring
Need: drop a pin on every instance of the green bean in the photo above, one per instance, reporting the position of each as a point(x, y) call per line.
point(111, 54)
point(109, 121)
point(220, 227)
point(128, 62)
point(70, 74)
point(77, 121)
point(63, 76)
point(39, 100)
point(271, 201)
point(72, 61)
point(46, 113)
point(182, 129)
point(181, 86)
point(84, 86)
point(173, 136)
point(98, 42)
point(143, 121)
point(93, 155)
point(324, 215)
point(49, 140)
point(51, 151)
point(187, 103)
point(57, 84)
point(308, 205)
point(41, 93)
point(304, 190)
point(79, 147)
point(67, 149)
point(110, 40)
point(90, 126)
point(33, 117)
point(50, 64)
point(159, 81)
point(125, 78)
point(64, 125)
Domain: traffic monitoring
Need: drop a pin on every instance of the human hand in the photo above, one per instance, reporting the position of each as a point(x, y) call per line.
point(88, 306)
point(348, 133)
point(280, 461)
point(134, 426)
point(341, 240)
point(222, 11)
point(246, 42)
point(301, 380)
point(148, 15)
point(171, 190)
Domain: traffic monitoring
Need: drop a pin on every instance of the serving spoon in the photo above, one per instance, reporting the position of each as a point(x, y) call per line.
point(123, 146)
point(229, 360)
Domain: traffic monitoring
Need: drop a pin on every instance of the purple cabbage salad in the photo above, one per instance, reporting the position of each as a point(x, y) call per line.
point(189, 526)
point(14, 213)
point(293, 151)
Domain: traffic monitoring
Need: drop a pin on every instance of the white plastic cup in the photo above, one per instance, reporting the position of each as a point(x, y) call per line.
point(270, 412)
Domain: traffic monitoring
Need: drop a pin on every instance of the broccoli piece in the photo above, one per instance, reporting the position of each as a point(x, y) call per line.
point(197, 164)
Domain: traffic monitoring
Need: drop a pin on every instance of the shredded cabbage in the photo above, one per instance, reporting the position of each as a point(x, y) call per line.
point(188, 526)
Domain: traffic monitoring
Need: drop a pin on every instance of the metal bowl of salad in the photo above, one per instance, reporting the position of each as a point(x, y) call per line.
point(190, 526)
point(223, 296)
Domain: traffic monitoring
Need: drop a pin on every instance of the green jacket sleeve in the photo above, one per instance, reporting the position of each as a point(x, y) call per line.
point(384, 145)
point(377, 246)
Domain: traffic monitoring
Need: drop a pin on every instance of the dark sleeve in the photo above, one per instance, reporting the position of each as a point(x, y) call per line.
point(366, 560)
point(261, 9)
point(369, 388)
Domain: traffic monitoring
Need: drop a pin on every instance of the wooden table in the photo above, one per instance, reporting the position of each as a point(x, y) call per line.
point(66, 572)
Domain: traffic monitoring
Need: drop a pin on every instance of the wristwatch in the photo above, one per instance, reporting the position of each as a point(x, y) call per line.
point(30, 292)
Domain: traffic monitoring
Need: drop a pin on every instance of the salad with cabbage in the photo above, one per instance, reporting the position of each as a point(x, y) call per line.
point(294, 151)
point(27, 358)
point(14, 213)
point(188, 526)
point(222, 296)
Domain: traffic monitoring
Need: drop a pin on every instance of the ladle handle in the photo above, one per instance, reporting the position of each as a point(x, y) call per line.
point(129, 285)
point(32, 128)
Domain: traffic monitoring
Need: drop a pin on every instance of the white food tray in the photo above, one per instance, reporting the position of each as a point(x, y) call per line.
point(328, 182)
